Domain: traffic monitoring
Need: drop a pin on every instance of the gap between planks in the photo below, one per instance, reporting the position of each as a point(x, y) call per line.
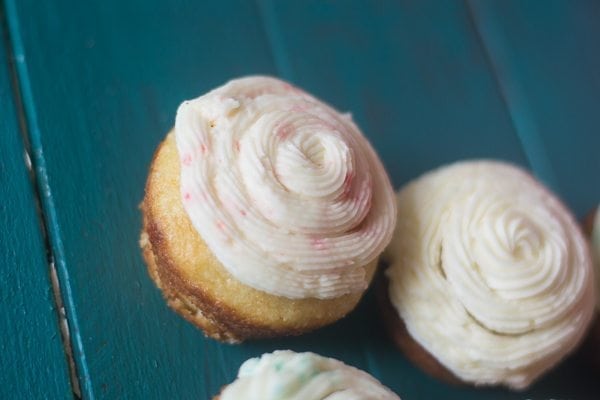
point(30, 165)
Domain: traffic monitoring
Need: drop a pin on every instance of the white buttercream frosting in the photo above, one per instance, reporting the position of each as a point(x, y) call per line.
point(285, 191)
point(285, 375)
point(489, 272)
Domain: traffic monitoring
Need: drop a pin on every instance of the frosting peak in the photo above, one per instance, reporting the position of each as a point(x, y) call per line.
point(285, 191)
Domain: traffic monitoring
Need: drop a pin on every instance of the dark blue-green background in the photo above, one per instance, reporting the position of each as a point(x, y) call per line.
point(90, 88)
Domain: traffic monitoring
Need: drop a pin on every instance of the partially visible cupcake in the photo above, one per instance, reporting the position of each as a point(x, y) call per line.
point(591, 349)
point(490, 277)
point(592, 230)
point(288, 375)
point(265, 212)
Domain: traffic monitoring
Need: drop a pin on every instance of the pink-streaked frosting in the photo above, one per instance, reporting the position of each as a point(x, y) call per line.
point(285, 191)
point(489, 272)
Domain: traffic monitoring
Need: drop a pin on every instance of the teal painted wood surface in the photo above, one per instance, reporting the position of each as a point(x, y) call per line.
point(414, 77)
point(32, 362)
point(101, 83)
point(116, 74)
point(547, 59)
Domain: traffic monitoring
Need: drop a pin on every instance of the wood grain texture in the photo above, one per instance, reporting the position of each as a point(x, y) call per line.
point(103, 82)
point(32, 361)
point(547, 59)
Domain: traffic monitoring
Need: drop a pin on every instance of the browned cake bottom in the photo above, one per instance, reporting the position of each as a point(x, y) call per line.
point(195, 283)
point(397, 331)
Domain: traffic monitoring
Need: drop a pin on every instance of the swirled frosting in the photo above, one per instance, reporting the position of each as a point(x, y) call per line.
point(489, 272)
point(285, 191)
point(303, 376)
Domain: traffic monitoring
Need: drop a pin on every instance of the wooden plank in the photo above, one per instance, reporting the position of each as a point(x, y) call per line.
point(105, 79)
point(413, 73)
point(32, 359)
point(547, 58)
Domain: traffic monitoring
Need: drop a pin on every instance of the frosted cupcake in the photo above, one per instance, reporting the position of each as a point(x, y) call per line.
point(591, 350)
point(490, 278)
point(265, 212)
point(592, 229)
point(302, 376)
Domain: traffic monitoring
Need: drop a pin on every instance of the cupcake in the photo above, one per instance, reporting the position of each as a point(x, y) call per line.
point(265, 212)
point(304, 376)
point(490, 278)
point(591, 349)
point(592, 230)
